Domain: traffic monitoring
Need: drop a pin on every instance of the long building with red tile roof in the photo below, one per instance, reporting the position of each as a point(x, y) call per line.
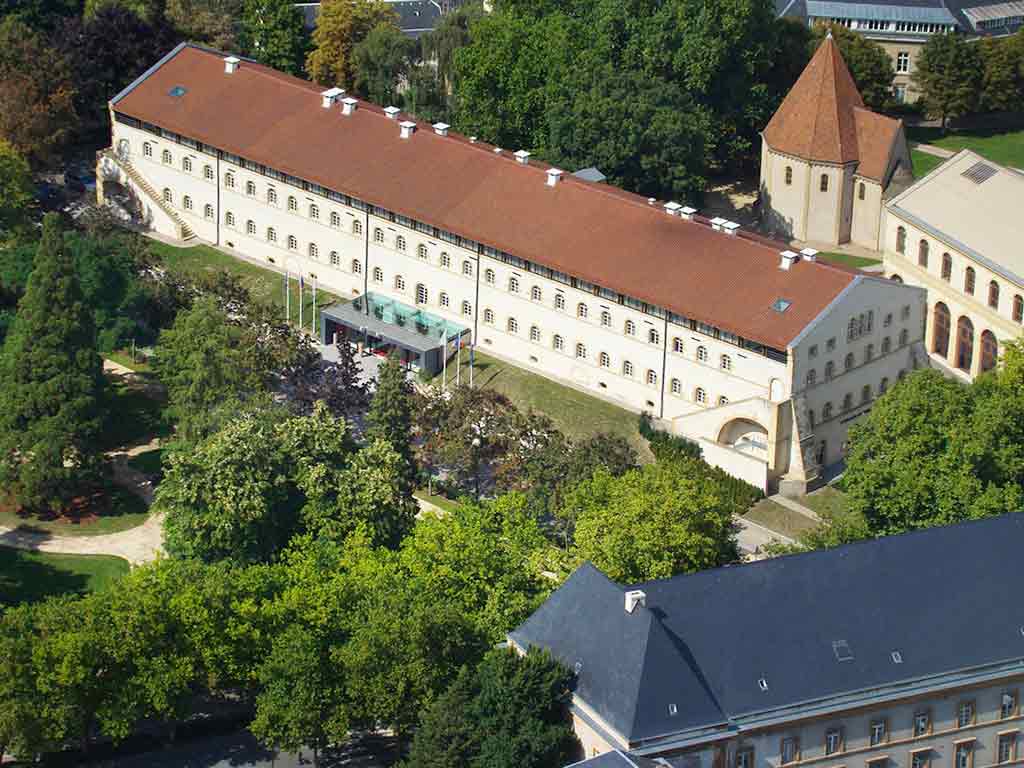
point(443, 241)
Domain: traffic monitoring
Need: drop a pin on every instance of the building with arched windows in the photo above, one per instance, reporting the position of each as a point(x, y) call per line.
point(424, 230)
point(827, 162)
point(966, 214)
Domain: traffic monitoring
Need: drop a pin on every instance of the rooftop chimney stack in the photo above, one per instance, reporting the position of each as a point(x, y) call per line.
point(789, 258)
point(554, 176)
point(330, 96)
point(523, 157)
point(717, 223)
point(635, 597)
point(809, 253)
point(441, 129)
point(392, 112)
point(348, 106)
point(672, 208)
point(730, 228)
point(687, 212)
point(231, 64)
point(407, 128)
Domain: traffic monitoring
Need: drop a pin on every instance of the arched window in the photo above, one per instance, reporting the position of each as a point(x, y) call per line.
point(826, 411)
point(208, 211)
point(606, 318)
point(357, 227)
point(271, 195)
point(653, 337)
point(535, 293)
point(896, 279)
point(335, 259)
point(824, 182)
point(847, 402)
point(335, 219)
point(651, 377)
point(883, 386)
point(848, 363)
point(789, 175)
point(557, 342)
point(400, 283)
point(581, 310)
point(676, 387)
point(229, 219)
point(630, 328)
point(513, 284)
point(604, 360)
point(940, 331)
point(700, 395)
point(313, 251)
point(886, 345)
point(627, 368)
point(512, 325)
point(208, 172)
point(467, 268)
point(901, 240)
point(993, 294)
point(250, 188)
point(293, 204)
point(861, 191)
point(357, 267)
point(869, 353)
point(969, 281)
point(250, 227)
point(489, 316)
point(421, 252)
point(147, 149)
point(400, 243)
point(725, 363)
point(702, 354)
point(1018, 308)
point(489, 276)
point(723, 400)
point(947, 267)
point(229, 180)
point(581, 351)
point(830, 370)
point(166, 157)
point(314, 211)
point(186, 164)
point(271, 235)
point(467, 309)
point(446, 260)
point(534, 333)
point(559, 301)
point(186, 203)
point(865, 393)
point(812, 377)
point(443, 300)
point(989, 350)
point(378, 235)
point(422, 296)
point(922, 254)
point(293, 243)
point(677, 345)
point(168, 195)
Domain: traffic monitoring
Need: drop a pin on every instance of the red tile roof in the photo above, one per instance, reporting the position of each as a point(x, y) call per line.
point(591, 231)
point(823, 118)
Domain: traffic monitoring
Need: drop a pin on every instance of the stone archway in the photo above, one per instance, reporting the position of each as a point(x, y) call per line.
point(964, 343)
point(745, 435)
point(896, 278)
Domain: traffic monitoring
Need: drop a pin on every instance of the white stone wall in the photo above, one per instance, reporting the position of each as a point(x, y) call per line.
point(867, 213)
point(784, 205)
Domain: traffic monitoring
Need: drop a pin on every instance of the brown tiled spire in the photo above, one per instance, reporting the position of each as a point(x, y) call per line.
point(816, 119)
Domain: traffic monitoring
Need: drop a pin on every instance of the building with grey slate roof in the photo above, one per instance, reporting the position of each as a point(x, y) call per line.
point(415, 17)
point(900, 652)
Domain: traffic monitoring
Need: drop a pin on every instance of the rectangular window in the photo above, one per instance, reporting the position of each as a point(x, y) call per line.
point(790, 750)
point(965, 714)
point(879, 732)
point(903, 62)
point(833, 741)
point(922, 723)
point(745, 758)
point(1006, 748)
point(921, 758)
point(1008, 705)
point(963, 757)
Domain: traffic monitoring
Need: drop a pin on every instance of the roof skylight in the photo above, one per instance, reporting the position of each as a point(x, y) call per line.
point(177, 91)
point(781, 305)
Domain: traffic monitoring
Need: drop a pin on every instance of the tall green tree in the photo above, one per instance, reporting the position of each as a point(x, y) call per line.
point(341, 25)
point(213, 22)
point(16, 192)
point(274, 34)
point(868, 62)
point(390, 417)
point(381, 61)
point(949, 73)
point(1003, 79)
point(51, 384)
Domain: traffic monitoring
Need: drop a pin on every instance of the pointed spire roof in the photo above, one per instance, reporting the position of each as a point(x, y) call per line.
point(816, 119)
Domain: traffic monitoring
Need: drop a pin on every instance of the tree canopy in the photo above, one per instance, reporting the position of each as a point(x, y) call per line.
point(949, 73)
point(380, 61)
point(341, 25)
point(16, 191)
point(273, 33)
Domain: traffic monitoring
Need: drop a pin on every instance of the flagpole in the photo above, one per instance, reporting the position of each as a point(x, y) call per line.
point(458, 362)
point(312, 324)
point(444, 361)
point(472, 349)
point(287, 298)
point(302, 288)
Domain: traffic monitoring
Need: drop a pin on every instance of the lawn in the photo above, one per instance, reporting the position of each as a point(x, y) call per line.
point(124, 357)
point(136, 413)
point(576, 414)
point(779, 519)
point(827, 502)
point(32, 576)
point(107, 511)
point(848, 260)
point(999, 146)
point(439, 501)
point(924, 163)
point(263, 284)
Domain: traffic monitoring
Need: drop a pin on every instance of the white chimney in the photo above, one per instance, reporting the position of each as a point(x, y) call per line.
point(392, 112)
point(330, 96)
point(496, 150)
point(789, 258)
point(672, 208)
point(441, 129)
point(472, 139)
point(348, 106)
point(651, 200)
point(231, 64)
point(687, 212)
point(717, 222)
point(730, 227)
point(523, 157)
point(809, 253)
point(554, 176)
point(635, 597)
point(407, 128)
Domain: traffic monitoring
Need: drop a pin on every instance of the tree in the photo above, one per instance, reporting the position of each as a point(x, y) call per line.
point(37, 93)
point(390, 417)
point(273, 33)
point(652, 523)
point(51, 384)
point(1003, 78)
point(450, 34)
point(381, 61)
point(20, 724)
point(869, 63)
point(16, 192)
point(510, 712)
point(150, 11)
point(209, 21)
point(949, 72)
point(339, 27)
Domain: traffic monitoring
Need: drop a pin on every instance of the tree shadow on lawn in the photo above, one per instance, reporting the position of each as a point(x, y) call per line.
point(24, 577)
point(134, 414)
point(90, 508)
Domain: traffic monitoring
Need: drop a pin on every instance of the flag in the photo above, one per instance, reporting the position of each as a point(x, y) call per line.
point(302, 283)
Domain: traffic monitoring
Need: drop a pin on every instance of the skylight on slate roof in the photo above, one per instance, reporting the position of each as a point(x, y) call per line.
point(842, 650)
point(177, 91)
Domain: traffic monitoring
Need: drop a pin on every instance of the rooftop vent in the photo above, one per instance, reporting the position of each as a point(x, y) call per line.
point(231, 64)
point(762, 683)
point(687, 212)
point(554, 176)
point(781, 305)
point(441, 129)
point(523, 156)
point(392, 112)
point(407, 128)
point(348, 106)
point(809, 253)
point(672, 208)
point(635, 597)
point(841, 649)
point(897, 657)
point(979, 172)
point(330, 96)
point(472, 139)
point(730, 227)
point(651, 200)
point(718, 222)
point(789, 258)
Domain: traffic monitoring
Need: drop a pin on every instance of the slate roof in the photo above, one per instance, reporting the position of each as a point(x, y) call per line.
point(415, 17)
point(704, 640)
point(823, 118)
point(617, 759)
point(592, 231)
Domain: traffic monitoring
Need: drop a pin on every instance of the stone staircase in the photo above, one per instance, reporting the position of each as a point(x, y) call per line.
point(139, 181)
